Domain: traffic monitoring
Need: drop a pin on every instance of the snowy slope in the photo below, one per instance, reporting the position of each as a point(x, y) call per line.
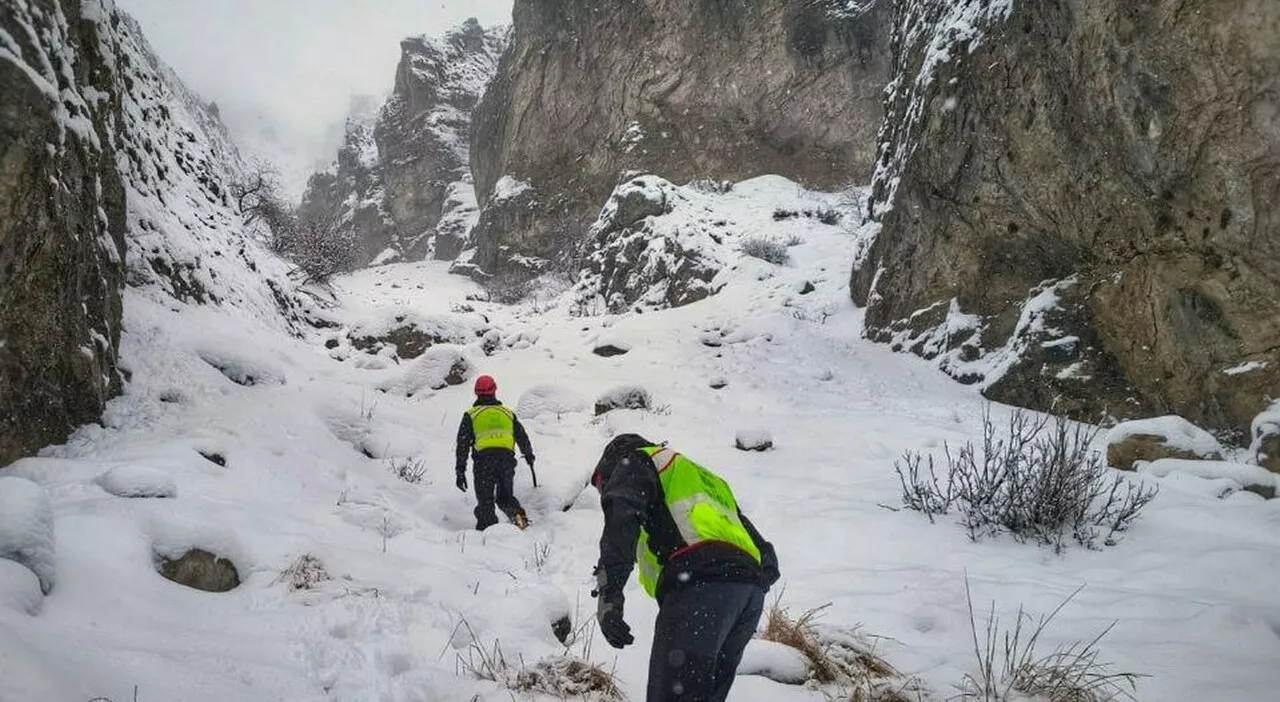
point(1192, 585)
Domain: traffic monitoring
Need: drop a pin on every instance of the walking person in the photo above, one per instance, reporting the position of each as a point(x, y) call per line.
point(694, 551)
point(490, 432)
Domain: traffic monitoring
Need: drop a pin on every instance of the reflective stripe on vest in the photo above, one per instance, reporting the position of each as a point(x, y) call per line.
point(702, 506)
point(494, 427)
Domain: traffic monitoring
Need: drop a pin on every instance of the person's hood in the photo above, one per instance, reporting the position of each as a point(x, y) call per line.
point(614, 451)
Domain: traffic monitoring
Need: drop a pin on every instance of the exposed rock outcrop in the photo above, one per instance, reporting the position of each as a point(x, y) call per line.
point(402, 182)
point(1077, 203)
point(62, 225)
point(113, 173)
point(591, 91)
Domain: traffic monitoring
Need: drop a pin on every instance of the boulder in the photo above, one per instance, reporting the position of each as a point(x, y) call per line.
point(753, 440)
point(200, 570)
point(438, 368)
point(1265, 445)
point(611, 349)
point(1160, 437)
point(26, 528)
point(624, 397)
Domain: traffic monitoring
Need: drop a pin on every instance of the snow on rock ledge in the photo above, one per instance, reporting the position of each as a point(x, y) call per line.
point(26, 528)
point(138, 481)
point(1247, 477)
point(1159, 437)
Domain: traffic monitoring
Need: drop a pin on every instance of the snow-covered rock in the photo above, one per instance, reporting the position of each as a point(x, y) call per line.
point(410, 335)
point(756, 439)
point(623, 397)
point(1247, 477)
point(1159, 437)
point(19, 588)
point(608, 348)
point(1265, 444)
point(138, 481)
point(200, 570)
point(438, 368)
point(777, 662)
point(549, 399)
point(26, 528)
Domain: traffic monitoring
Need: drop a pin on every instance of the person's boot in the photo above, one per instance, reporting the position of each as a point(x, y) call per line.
point(520, 520)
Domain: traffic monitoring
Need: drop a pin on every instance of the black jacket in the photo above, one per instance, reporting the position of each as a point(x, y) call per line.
point(631, 497)
point(467, 437)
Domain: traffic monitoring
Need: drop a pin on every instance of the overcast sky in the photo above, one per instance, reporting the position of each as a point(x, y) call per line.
point(294, 63)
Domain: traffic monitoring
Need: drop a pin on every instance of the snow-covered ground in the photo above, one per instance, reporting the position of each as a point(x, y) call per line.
point(307, 439)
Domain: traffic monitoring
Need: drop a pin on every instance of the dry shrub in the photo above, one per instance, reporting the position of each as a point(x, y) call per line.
point(304, 574)
point(565, 676)
point(1038, 479)
point(1010, 666)
point(840, 657)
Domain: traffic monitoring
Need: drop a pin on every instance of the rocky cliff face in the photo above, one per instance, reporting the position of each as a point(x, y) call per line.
point(111, 173)
point(62, 223)
point(402, 181)
point(1078, 203)
point(720, 89)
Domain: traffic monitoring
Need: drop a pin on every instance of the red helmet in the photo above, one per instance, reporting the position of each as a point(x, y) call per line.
point(486, 386)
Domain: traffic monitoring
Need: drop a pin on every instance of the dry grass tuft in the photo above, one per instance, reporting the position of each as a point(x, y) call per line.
point(843, 658)
point(565, 676)
point(304, 574)
point(1010, 667)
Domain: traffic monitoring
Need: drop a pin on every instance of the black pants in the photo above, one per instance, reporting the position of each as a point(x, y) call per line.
point(698, 640)
point(495, 471)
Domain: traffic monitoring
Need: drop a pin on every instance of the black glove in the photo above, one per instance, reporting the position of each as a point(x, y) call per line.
point(612, 625)
point(609, 612)
point(462, 481)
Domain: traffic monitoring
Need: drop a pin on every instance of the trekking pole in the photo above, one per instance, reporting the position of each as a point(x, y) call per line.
point(533, 472)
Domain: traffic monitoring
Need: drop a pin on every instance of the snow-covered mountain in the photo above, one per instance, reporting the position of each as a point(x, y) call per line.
point(401, 182)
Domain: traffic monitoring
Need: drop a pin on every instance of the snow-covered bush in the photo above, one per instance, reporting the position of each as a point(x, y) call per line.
point(1011, 666)
point(138, 481)
point(1037, 479)
point(320, 248)
point(26, 528)
point(624, 397)
point(765, 249)
point(549, 399)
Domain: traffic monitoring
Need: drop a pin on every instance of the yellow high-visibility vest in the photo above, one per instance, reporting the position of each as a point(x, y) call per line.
point(494, 427)
point(702, 506)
